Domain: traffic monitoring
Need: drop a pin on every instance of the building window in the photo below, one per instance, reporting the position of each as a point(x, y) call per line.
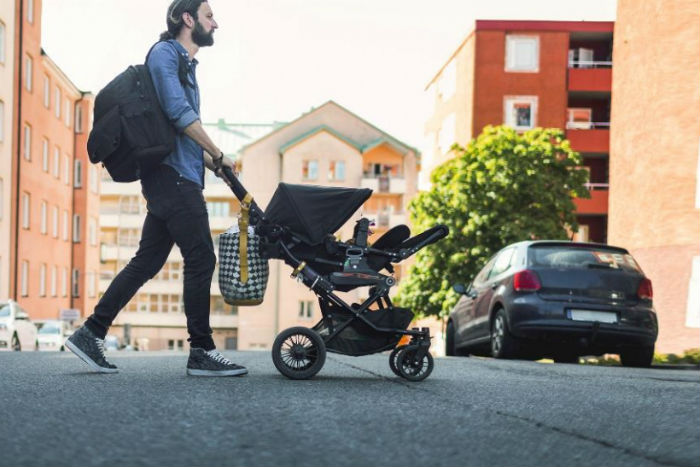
point(92, 232)
point(57, 101)
point(128, 237)
point(520, 112)
point(30, 11)
point(28, 70)
point(44, 218)
point(64, 282)
point(54, 221)
point(578, 119)
point(42, 280)
point(90, 283)
point(78, 118)
point(24, 289)
point(306, 309)
point(522, 53)
point(2, 42)
point(45, 155)
point(92, 175)
point(129, 205)
point(336, 171)
point(66, 111)
point(54, 278)
point(2, 121)
point(27, 142)
point(78, 174)
point(47, 92)
point(446, 135)
point(65, 225)
point(66, 170)
point(76, 228)
point(56, 162)
point(218, 208)
point(75, 284)
point(2, 197)
point(26, 201)
point(309, 170)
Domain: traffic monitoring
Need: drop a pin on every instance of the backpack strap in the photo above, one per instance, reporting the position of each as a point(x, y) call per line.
point(181, 66)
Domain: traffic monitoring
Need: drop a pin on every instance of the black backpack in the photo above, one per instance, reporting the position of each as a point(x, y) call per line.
point(131, 135)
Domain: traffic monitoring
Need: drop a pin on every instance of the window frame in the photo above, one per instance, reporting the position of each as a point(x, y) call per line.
point(509, 103)
point(510, 54)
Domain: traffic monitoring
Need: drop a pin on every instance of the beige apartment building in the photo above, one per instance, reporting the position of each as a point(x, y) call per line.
point(154, 319)
point(7, 93)
point(329, 146)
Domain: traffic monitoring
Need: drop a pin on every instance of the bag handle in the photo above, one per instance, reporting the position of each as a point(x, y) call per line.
point(243, 222)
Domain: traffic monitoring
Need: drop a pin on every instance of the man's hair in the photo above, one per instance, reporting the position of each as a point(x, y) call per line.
point(174, 16)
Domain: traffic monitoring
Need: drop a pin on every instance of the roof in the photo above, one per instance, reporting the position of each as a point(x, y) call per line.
point(386, 136)
point(319, 129)
point(60, 73)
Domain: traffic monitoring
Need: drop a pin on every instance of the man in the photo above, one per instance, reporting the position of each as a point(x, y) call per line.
point(177, 212)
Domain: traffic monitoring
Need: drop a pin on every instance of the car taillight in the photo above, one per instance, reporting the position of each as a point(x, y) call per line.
point(645, 292)
point(526, 281)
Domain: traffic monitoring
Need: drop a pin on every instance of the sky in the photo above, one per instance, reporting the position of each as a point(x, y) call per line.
point(273, 60)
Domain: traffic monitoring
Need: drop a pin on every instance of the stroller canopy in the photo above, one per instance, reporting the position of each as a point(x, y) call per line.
point(313, 212)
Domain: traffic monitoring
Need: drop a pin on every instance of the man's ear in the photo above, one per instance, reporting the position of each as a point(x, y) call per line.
point(188, 19)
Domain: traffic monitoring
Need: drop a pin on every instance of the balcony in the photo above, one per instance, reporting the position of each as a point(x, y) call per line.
point(124, 221)
point(590, 137)
point(597, 203)
point(590, 79)
point(391, 185)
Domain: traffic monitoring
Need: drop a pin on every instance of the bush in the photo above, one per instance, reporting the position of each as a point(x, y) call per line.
point(691, 356)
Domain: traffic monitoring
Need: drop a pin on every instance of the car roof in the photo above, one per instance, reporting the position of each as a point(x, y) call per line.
point(530, 243)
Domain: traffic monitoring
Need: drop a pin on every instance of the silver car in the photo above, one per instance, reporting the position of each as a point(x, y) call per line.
point(17, 332)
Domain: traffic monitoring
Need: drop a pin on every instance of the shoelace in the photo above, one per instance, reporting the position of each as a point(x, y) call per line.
point(100, 346)
point(216, 356)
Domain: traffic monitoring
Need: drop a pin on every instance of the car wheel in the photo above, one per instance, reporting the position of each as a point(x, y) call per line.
point(450, 350)
point(503, 343)
point(640, 357)
point(566, 357)
point(15, 343)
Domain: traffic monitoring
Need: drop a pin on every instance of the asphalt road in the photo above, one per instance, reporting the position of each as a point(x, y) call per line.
point(470, 411)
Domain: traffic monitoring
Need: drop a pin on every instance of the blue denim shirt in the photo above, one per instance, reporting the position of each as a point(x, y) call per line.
point(181, 106)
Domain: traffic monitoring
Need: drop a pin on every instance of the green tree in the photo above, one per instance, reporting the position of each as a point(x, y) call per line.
point(502, 188)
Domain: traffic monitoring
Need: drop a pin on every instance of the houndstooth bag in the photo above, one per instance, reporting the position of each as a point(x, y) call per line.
point(243, 271)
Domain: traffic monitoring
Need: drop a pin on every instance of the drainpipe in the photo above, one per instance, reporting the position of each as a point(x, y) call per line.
point(19, 146)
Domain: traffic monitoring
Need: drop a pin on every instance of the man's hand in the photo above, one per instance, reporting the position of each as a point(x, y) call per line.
point(225, 162)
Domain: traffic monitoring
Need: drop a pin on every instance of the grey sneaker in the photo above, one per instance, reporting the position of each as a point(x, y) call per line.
point(212, 363)
point(91, 349)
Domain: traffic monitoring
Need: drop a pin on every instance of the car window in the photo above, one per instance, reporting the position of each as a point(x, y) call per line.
point(50, 329)
point(578, 257)
point(4, 310)
point(502, 263)
point(483, 274)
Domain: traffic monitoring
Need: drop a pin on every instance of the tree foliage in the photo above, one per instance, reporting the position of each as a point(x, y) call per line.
point(502, 188)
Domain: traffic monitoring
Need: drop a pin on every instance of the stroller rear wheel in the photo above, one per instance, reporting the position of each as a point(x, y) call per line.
point(392, 359)
point(410, 367)
point(298, 353)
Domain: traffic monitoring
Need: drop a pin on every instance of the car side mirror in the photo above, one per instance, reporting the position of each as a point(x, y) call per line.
point(459, 288)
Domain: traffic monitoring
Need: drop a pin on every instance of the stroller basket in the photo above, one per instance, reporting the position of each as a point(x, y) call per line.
point(358, 338)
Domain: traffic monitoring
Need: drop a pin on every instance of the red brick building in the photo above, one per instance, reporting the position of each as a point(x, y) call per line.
point(528, 74)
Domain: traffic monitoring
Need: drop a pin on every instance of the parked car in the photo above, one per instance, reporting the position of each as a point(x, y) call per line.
point(17, 332)
point(559, 300)
point(53, 334)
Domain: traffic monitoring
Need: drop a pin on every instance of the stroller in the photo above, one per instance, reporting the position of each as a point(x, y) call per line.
point(297, 227)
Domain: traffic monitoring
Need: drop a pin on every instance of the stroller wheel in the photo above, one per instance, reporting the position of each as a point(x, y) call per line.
point(412, 369)
point(392, 359)
point(298, 353)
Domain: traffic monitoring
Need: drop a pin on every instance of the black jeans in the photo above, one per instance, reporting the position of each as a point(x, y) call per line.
point(177, 213)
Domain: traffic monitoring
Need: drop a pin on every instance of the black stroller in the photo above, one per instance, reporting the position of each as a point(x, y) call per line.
point(297, 227)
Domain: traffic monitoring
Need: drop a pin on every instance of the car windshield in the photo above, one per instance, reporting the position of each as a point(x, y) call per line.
point(50, 329)
point(578, 257)
point(4, 310)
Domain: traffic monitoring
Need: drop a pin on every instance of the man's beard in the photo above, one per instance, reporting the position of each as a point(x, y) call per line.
point(200, 37)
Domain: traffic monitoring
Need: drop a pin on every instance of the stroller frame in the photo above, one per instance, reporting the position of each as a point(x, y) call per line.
point(306, 346)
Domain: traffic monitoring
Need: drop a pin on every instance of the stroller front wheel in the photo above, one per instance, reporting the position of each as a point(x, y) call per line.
point(299, 353)
point(393, 357)
point(410, 367)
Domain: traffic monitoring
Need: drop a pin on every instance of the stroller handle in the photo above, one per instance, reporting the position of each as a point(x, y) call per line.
point(239, 190)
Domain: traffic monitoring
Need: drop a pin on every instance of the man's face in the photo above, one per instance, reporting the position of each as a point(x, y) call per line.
point(203, 32)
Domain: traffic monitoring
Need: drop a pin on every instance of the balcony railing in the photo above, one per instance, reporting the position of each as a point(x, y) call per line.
point(597, 186)
point(589, 64)
point(587, 125)
point(384, 184)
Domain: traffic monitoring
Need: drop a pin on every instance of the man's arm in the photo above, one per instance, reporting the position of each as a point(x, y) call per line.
point(211, 150)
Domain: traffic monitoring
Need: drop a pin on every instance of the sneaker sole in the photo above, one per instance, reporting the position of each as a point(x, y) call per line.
point(193, 372)
point(91, 363)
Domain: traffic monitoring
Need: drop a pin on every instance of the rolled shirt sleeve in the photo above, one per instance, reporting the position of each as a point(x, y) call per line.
point(163, 65)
